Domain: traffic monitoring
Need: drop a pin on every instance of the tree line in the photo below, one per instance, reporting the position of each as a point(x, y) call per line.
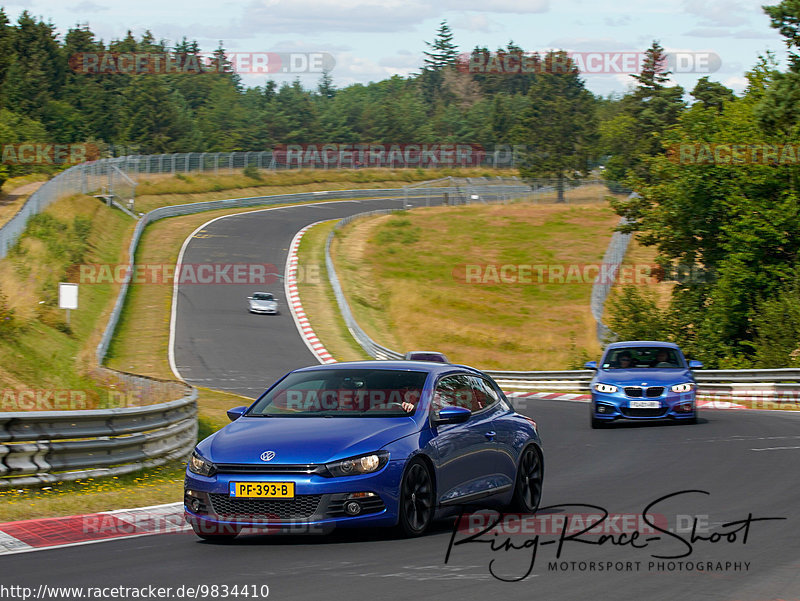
point(738, 223)
point(718, 197)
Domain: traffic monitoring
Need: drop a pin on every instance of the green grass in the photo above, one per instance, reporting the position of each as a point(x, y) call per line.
point(154, 486)
point(43, 351)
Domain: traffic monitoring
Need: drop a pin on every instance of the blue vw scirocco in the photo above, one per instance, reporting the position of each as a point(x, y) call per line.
point(368, 443)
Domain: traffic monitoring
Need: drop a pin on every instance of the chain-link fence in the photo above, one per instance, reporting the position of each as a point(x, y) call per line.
point(113, 180)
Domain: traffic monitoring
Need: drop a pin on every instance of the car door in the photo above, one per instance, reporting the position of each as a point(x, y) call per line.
point(507, 426)
point(466, 453)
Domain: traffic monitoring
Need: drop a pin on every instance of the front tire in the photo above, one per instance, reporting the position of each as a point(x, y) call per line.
point(598, 423)
point(528, 486)
point(416, 500)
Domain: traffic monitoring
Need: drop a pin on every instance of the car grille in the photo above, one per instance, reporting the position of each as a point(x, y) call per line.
point(301, 507)
point(637, 392)
point(627, 412)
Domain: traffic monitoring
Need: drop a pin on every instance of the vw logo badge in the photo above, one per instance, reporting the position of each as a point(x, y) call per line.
point(267, 455)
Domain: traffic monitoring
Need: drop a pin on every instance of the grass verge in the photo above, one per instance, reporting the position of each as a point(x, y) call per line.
point(318, 299)
point(154, 486)
point(161, 190)
point(38, 349)
point(404, 277)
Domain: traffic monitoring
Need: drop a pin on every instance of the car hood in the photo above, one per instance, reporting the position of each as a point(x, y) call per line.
point(299, 440)
point(636, 377)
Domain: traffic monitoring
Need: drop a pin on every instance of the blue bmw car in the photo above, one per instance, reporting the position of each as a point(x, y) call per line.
point(643, 380)
point(368, 443)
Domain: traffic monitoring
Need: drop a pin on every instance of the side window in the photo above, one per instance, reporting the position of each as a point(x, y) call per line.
point(454, 391)
point(485, 394)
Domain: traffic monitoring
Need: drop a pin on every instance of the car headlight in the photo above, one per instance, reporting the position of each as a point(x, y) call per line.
point(200, 466)
point(685, 387)
point(363, 464)
point(605, 388)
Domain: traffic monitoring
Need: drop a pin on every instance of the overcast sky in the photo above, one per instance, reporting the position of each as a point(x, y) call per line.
point(370, 40)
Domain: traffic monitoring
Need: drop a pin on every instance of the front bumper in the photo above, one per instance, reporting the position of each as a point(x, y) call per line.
point(617, 405)
point(264, 311)
point(319, 504)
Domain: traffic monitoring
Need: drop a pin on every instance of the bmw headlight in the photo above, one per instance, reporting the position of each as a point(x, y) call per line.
point(363, 464)
point(608, 388)
point(200, 466)
point(685, 387)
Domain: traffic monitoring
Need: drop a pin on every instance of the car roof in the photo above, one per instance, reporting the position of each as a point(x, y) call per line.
point(631, 343)
point(427, 366)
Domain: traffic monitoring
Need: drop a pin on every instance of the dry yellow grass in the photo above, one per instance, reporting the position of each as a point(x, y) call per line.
point(15, 192)
point(160, 190)
point(401, 276)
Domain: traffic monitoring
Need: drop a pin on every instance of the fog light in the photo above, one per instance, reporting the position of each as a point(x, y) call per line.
point(196, 504)
point(601, 409)
point(352, 508)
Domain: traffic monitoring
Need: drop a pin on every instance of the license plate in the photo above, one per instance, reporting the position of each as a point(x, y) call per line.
point(263, 490)
point(645, 405)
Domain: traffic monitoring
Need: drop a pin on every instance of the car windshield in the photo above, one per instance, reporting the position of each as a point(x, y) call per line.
point(435, 357)
point(262, 296)
point(343, 393)
point(643, 357)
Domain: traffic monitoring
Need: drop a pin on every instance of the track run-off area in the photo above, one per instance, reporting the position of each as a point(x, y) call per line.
point(721, 495)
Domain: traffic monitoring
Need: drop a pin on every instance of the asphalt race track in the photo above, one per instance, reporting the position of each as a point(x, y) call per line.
point(218, 343)
point(622, 470)
point(747, 462)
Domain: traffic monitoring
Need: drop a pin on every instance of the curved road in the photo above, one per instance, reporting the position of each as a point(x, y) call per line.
point(747, 462)
point(218, 344)
point(621, 469)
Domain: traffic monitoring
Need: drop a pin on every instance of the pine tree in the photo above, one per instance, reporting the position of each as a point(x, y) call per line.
point(559, 126)
point(443, 52)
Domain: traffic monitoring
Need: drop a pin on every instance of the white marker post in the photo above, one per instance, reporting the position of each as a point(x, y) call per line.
point(67, 297)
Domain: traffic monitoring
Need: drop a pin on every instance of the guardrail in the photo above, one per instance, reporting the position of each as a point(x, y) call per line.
point(712, 381)
point(34, 449)
point(43, 447)
point(725, 382)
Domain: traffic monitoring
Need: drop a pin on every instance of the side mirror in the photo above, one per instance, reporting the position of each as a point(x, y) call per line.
point(236, 412)
point(249, 298)
point(590, 365)
point(452, 415)
point(695, 364)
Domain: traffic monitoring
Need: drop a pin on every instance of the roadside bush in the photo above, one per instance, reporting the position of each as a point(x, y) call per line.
point(634, 315)
point(253, 172)
point(8, 324)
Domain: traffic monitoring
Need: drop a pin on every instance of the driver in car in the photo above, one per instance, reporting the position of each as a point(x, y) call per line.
point(663, 359)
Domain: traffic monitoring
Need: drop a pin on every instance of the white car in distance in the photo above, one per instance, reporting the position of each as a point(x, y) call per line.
point(262, 302)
